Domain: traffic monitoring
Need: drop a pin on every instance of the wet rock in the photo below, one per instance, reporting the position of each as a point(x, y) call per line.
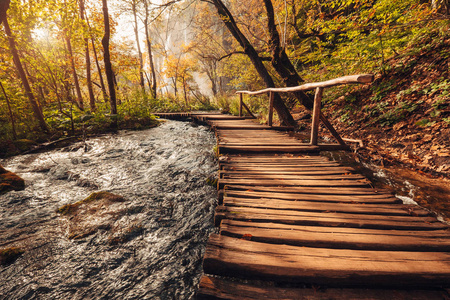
point(10, 181)
point(98, 211)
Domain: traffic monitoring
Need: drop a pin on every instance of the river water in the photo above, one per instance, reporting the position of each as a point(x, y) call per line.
point(166, 218)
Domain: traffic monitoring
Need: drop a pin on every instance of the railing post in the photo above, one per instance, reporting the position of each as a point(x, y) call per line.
point(271, 97)
point(316, 116)
point(240, 104)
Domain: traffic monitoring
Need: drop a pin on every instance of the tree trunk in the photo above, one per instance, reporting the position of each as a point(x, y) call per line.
point(108, 66)
point(99, 69)
point(150, 51)
point(74, 74)
point(280, 61)
point(136, 33)
point(227, 18)
point(13, 125)
point(185, 92)
point(36, 110)
point(88, 61)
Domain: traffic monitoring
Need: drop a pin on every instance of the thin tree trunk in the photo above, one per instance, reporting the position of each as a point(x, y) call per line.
point(36, 110)
point(150, 51)
point(108, 66)
point(136, 33)
point(88, 61)
point(74, 74)
point(99, 69)
point(13, 125)
point(230, 23)
point(185, 92)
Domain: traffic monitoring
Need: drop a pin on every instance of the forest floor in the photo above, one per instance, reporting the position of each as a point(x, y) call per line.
point(403, 117)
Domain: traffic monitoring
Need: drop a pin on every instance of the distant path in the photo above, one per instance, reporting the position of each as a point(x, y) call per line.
point(293, 222)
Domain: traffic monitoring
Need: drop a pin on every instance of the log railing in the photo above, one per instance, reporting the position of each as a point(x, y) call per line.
point(316, 113)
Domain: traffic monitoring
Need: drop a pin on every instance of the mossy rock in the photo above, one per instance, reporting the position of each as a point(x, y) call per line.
point(99, 211)
point(69, 209)
point(10, 181)
point(9, 255)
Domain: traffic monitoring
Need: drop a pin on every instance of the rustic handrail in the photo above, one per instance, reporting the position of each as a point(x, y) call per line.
point(316, 114)
point(362, 78)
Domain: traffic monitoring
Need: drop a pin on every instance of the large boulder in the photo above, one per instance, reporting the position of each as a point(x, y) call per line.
point(10, 181)
point(98, 211)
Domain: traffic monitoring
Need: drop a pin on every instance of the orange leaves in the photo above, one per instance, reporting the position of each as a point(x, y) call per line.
point(246, 237)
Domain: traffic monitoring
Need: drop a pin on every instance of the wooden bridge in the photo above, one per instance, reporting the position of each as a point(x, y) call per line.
point(295, 225)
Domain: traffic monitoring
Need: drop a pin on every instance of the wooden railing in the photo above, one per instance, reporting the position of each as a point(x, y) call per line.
point(316, 113)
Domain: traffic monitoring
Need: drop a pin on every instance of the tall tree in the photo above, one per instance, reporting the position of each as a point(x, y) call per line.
point(280, 61)
point(99, 69)
point(149, 49)
point(4, 5)
point(88, 59)
point(11, 115)
point(138, 44)
point(67, 28)
point(108, 65)
point(228, 19)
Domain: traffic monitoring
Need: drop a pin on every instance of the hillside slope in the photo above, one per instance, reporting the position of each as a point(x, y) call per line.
point(404, 115)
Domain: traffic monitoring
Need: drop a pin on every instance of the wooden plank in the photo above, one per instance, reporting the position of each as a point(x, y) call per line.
point(272, 143)
point(287, 163)
point(285, 149)
point(223, 288)
point(329, 219)
point(314, 190)
point(323, 168)
point(245, 175)
point(339, 238)
point(292, 182)
point(280, 172)
point(361, 208)
point(253, 127)
point(312, 165)
point(232, 121)
point(272, 158)
point(227, 256)
point(371, 198)
point(442, 234)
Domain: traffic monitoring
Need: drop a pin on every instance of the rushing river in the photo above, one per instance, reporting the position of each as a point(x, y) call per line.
point(161, 172)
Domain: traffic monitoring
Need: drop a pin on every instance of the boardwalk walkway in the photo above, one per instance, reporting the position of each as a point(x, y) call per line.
point(295, 225)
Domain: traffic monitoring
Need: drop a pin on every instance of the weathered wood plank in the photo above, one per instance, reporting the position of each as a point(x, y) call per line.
point(331, 198)
point(255, 171)
point(227, 256)
point(329, 219)
point(339, 238)
point(313, 190)
point(282, 149)
point(252, 127)
point(362, 208)
point(243, 175)
point(223, 288)
point(291, 182)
